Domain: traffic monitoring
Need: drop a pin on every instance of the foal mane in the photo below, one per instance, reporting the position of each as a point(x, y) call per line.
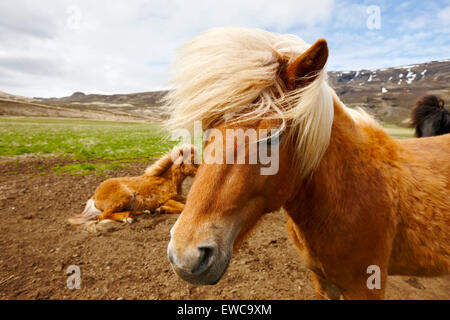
point(166, 162)
point(160, 167)
point(233, 74)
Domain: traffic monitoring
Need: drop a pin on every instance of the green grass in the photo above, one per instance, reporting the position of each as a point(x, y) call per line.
point(82, 139)
point(401, 135)
point(100, 145)
point(399, 132)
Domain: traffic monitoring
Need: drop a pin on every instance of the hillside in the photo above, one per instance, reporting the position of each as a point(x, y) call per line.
point(121, 107)
point(388, 94)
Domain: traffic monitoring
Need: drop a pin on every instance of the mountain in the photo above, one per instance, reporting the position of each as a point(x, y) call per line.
point(144, 106)
point(388, 94)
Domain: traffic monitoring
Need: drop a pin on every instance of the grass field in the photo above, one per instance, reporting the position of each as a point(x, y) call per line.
point(86, 140)
point(399, 132)
point(94, 141)
point(82, 139)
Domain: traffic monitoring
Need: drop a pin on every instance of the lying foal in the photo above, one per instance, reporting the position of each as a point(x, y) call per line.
point(158, 189)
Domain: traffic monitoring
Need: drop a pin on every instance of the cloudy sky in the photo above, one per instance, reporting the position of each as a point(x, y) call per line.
point(53, 48)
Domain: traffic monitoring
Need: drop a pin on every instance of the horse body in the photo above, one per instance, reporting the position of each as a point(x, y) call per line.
point(159, 188)
point(387, 210)
point(422, 243)
point(134, 194)
point(355, 198)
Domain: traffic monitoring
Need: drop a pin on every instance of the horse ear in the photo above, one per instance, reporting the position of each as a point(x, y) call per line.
point(182, 154)
point(304, 69)
point(177, 155)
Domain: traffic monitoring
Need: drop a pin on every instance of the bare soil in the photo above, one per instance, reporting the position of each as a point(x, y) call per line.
point(129, 261)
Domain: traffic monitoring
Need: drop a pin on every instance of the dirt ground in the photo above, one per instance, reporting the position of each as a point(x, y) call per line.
point(129, 261)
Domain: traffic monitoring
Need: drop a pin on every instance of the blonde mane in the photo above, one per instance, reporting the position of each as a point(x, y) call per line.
point(234, 73)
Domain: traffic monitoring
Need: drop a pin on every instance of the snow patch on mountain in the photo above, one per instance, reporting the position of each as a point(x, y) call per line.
point(410, 77)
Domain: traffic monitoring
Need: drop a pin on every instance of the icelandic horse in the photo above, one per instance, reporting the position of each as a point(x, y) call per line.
point(429, 117)
point(157, 190)
point(354, 196)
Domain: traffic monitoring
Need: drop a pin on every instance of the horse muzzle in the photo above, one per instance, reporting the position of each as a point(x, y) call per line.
point(201, 265)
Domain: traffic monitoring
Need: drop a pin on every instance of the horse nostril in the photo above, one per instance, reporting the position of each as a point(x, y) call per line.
point(204, 259)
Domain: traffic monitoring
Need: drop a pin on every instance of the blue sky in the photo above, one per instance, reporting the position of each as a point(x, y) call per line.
point(53, 48)
point(410, 32)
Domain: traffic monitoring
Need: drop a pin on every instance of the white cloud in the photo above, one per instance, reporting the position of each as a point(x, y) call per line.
point(444, 16)
point(415, 24)
point(53, 48)
point(48, 48)
point(349, 15)
point(370, 52)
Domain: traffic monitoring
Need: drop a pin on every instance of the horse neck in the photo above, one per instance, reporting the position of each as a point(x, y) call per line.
point(354, 150)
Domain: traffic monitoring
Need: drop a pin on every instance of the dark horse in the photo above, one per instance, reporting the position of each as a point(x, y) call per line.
point(429, 117)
